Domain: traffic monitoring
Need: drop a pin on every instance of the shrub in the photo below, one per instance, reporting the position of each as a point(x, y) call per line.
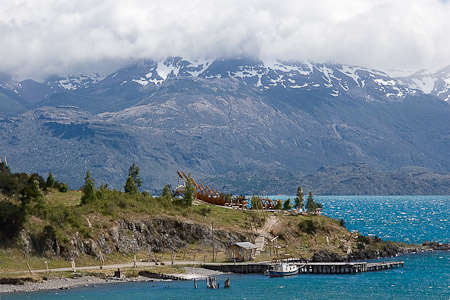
point(204, 211)
point(63, 188)
point(278, 205)
point(12, 219)
point(287, 204)
point(307, 226)
point(50, 183)
point(256, 202)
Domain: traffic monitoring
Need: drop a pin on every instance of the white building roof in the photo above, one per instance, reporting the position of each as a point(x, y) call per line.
point(246, 245)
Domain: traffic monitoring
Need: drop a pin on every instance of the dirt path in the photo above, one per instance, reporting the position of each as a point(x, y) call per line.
point(114, 266)
point(268, 226)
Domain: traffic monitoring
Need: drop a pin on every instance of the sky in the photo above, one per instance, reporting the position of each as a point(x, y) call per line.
point(55, 37)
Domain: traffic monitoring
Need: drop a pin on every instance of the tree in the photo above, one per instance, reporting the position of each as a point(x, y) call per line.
point(256, 202)
point(278, 205)
point(12, 220)
point(189, 192)
point(50, 183)
point(33, 201)
point(133, 181)
point(166, 194)
point(287, 204)
point(300, 199)
point(89, 193)
point(311, 205)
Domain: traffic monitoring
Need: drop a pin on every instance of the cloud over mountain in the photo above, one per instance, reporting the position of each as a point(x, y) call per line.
point(40, 38)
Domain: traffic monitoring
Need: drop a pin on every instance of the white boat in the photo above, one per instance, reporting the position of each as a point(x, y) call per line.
point(283, 269)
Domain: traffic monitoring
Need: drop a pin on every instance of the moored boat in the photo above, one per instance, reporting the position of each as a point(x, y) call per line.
point(283, 269)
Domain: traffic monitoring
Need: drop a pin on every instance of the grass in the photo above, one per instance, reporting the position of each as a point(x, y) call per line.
point(70, 198)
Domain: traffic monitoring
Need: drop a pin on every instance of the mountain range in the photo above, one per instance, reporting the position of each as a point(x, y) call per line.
point(242, 124)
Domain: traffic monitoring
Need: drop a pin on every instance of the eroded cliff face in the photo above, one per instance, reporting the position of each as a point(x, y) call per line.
point(129, 236)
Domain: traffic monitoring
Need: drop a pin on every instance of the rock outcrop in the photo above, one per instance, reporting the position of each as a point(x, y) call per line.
point(130, 236)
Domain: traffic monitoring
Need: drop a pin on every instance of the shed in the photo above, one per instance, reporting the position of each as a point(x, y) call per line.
point(241, 251)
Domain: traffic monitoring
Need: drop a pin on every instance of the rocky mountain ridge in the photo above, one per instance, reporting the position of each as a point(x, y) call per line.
point(223, 117)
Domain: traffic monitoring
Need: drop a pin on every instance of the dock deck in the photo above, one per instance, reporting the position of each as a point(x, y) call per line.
point(307, 268)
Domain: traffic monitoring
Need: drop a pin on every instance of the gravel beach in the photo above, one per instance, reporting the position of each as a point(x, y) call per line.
point(68, 283)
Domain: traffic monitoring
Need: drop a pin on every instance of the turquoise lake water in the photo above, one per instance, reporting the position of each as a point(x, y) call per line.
point(405, 218)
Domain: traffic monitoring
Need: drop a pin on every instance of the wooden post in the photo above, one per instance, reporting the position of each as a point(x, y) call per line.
point(227, 283)
point(184, 255)
point(102, 259)
point(212, 235)
point(134, 261)
point(46, 267)
point(29, 269)
point(195, 283)
point(73, 266)
point(171, 257)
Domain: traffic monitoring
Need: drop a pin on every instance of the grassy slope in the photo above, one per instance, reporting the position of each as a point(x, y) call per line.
point(66, 216)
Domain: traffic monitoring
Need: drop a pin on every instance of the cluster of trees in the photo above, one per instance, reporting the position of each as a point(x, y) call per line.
point(131, 187)
point(299, 202)
point(28, 189)
point(91, 194)
point(27, 198)
point(310, 205)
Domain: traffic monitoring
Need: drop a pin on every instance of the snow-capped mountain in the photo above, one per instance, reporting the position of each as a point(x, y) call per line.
point(333, 79)
point(435, 82)
point(31, 92)
point(222, 117)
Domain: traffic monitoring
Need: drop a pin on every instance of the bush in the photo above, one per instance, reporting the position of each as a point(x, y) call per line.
point(110, 209)
point(256, 202)
point(307, 226)
point(278, 205)
point(12, 219)
point(287, 204)
point(63, 188)
point(204, 211)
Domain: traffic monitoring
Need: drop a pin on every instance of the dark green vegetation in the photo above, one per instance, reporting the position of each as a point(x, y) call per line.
point(312, 205)
point(133, 181)
point(299, 199)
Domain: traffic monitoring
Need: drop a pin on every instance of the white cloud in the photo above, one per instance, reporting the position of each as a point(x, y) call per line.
point(55, 36)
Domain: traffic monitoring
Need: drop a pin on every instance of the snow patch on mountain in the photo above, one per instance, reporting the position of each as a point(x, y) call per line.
point(74, 82)
point(435, 82)
point(197, 67)
point(425, 84)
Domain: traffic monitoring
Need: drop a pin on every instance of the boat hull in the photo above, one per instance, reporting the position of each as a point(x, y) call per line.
point(281, 274)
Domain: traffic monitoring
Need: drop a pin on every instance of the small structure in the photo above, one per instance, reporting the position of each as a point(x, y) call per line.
point(318, 211)
point(241, 251)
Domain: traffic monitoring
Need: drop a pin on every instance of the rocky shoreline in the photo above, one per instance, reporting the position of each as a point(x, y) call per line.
point(389, 249)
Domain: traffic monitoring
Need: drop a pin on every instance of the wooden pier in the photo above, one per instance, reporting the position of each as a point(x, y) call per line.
point(241, 268)
point(307, 268)
point(346, 267)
